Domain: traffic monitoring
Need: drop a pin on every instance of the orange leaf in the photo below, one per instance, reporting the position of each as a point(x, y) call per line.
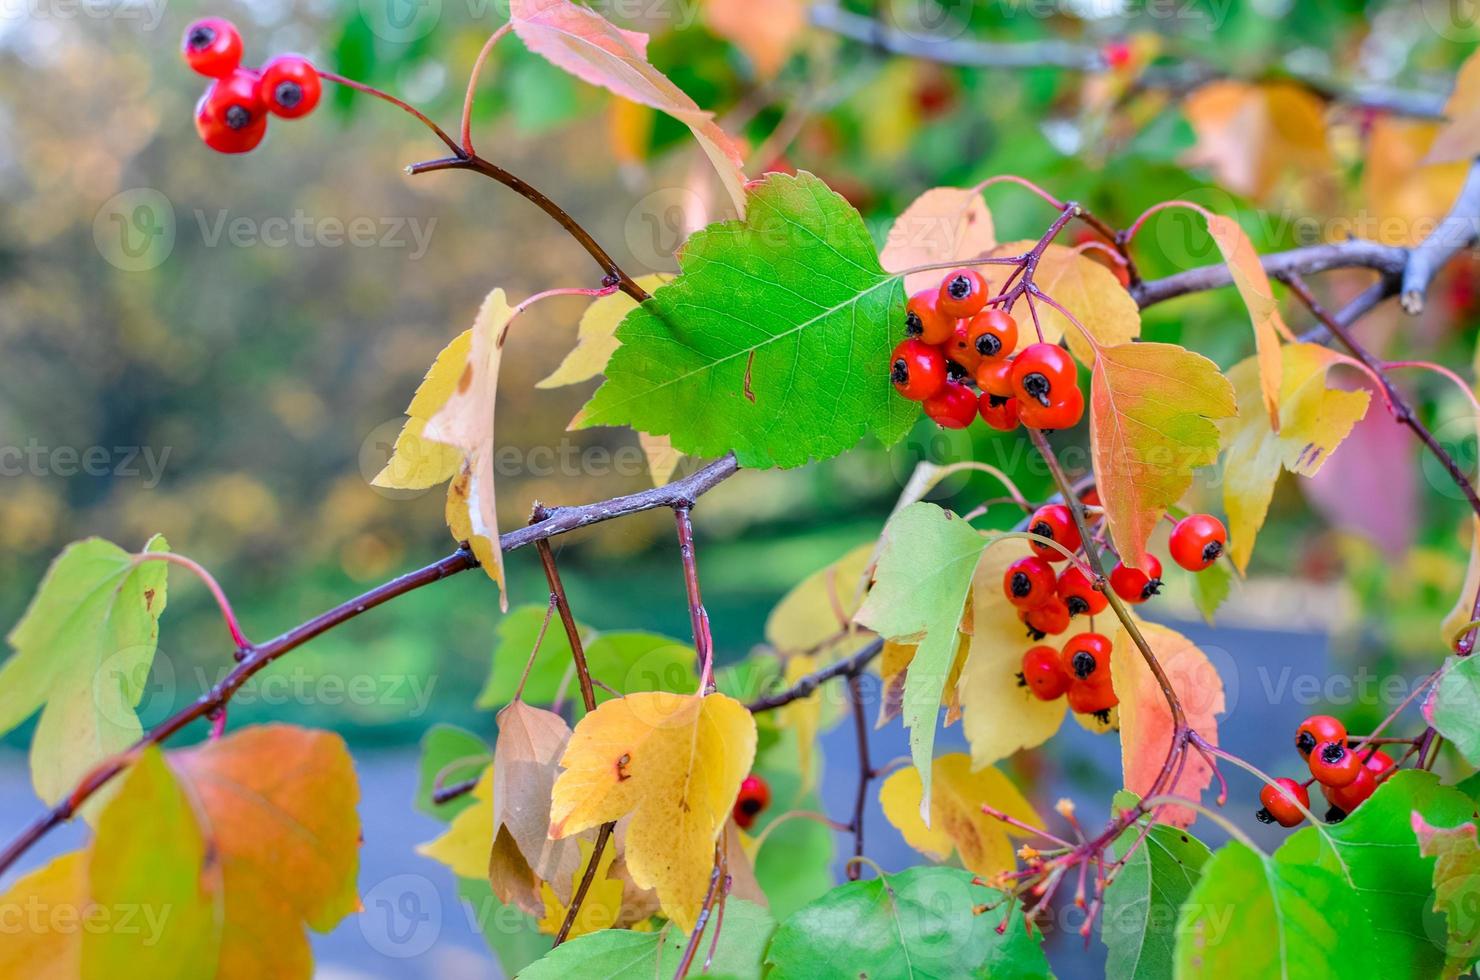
point(944, 224)
point(1460, 137)
point(1406, 192)
point(1253, 286)
point(1251, 136)
point(766, 30)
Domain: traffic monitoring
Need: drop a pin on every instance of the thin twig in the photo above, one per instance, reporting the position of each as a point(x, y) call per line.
point(804, 686)
point(698, 616)
point(865, 768)
point(692, 948)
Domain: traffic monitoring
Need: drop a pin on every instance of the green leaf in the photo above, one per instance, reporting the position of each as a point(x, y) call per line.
point(773, 342)
point(1375, 853)
point(795, 865)
point(635, 661)
point(1253, 916)
point(514, 937)
point(621, 954)
point(920, 587)
point(1455, 709)
point(1209, 588)
point(83, 650)
point(458, 751)
point(1456, 890)
point(919, 923)
point(1141, 904)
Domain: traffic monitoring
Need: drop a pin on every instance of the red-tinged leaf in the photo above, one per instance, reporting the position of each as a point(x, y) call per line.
point(1456, 874)
point(1152, 408)
point(1146, 717)
point(582, 42)
point(1264, 312)
point(944, 224)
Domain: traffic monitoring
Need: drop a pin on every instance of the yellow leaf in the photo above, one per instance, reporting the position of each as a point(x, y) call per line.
point(1405, 193)
point(662, 458)
point(957, 822)
point(1152, 408)
point(1251, 136)
point(1253, 286)
point(944, 224)
point(766, 30)
point(894, 661)
point(674, 763)
point(596, 337)
point(1000, 717)
point(50, 946)
point(1459, 140)
point(1464, 606)
point(629, 125)
point(812, 617)
point(417, 463)
point(804, 715)
point(1313, 421)
point(603, 902)
point(1086, 289)
point(464, 846)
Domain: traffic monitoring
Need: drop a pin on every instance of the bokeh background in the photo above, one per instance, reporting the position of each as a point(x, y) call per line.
point(219, 349)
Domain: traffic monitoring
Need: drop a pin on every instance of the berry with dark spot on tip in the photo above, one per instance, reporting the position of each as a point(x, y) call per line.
point(1134, 585)
point(1317, 729)
point(1043, 673)
point(1350, 796)
point(212, 47)
point(1334, 765)
point(1094, 697)
point(1043, 373)
point(993, 333)
point(960, 349)
point(754, 796)
point(998, 412)
point(1049, 619)
point(1079, 593)
point(1197, 541)
point(230, 116)
point(923, 319)
point(1087, 655)
point(955, 372)
point(1279, 802)
point(952, 407)
point(995, 377)
point(1062, 414)
point(1029, 582)
point(1055, 522)
point(917, 370)
point(963, 293)
point(290, 86)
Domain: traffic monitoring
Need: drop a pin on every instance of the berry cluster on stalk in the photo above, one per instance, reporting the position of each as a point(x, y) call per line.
point(1347, 769)
point(231, 116)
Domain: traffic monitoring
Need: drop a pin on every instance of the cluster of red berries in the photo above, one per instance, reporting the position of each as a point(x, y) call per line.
point(1047, 599)
point(953, 338)
point(1346, 772)
point(754, 796)
point(232, 115)
point(1080, 671)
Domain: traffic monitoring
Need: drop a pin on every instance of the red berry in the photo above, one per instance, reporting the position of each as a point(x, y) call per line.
point(1334, 765)
point(994, 376)
point(1064, 414)
point(923, 319)
point(998, 412)
point(917, 369)
point(963, 293)
point(212, 47)
point(1376, 760)
point(1029, 582)
point(1317, 729)
point(993, 333)
point(1117, 54)
point(754, 796)
point(1055, 522)
point(1043, 673)
point(953, 407)
point(1092, 697)
point(1049, 619)
point(1087, 657)
point(1043, 374)
point(1079, 593)
point(290, 86)
point(1348, 797)
point(1134, 585)
point(230, 117)
point(1197, 541)
point(1279, 802)
point(960, 349)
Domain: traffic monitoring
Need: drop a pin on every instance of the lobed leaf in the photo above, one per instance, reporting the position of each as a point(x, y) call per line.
point(1456, 874)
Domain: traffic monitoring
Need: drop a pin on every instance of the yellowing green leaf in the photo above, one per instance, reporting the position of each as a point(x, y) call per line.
point(1460, 137)
point(1252, 283)
point(1456, 871)
point(602, 904)
point(811, 617)
point(417, 463)
point(920, 589)
point(1463, 611)
point(596, 337)
point(83, 651)
point(50, 948)
point(1152, 408)
point(1252, 136)
point(957, 822)
point(673, 763)
point(1314, 419)
point(944, 224)
point(1086, 289)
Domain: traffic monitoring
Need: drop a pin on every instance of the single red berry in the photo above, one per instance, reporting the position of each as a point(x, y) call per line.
point(994, 376)
point(1376, 760)
point(754, 796)
point(1043, 373)
point(1079, 593)
point(1348, 797)
point(1197, 541)
point(1091, 497)
point(212, 47)
point(1063, 414)
point(230, 117)
point(1117, 54)
point(1043, 673)
point(953, 407)
point(1334, 765)
point(917, 369)
point(1087, 657)
point(993, 333)
point(998, 412)
point(1049, 619)
point(963, 293)
point(1317, 729)
point(959, 348)
point(1055, 522)
point(1134, 585)
point(290, 86)
point(1092, 698)
point(923, 319)
point(1279, 802)
point(1029, 582)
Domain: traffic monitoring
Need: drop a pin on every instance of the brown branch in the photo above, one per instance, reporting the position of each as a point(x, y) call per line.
point(865, 769)
point(716, 877)
point(450, 792)
point(806, 685)
point(1457, 231)
point(1356, 253)
point(698, 616)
